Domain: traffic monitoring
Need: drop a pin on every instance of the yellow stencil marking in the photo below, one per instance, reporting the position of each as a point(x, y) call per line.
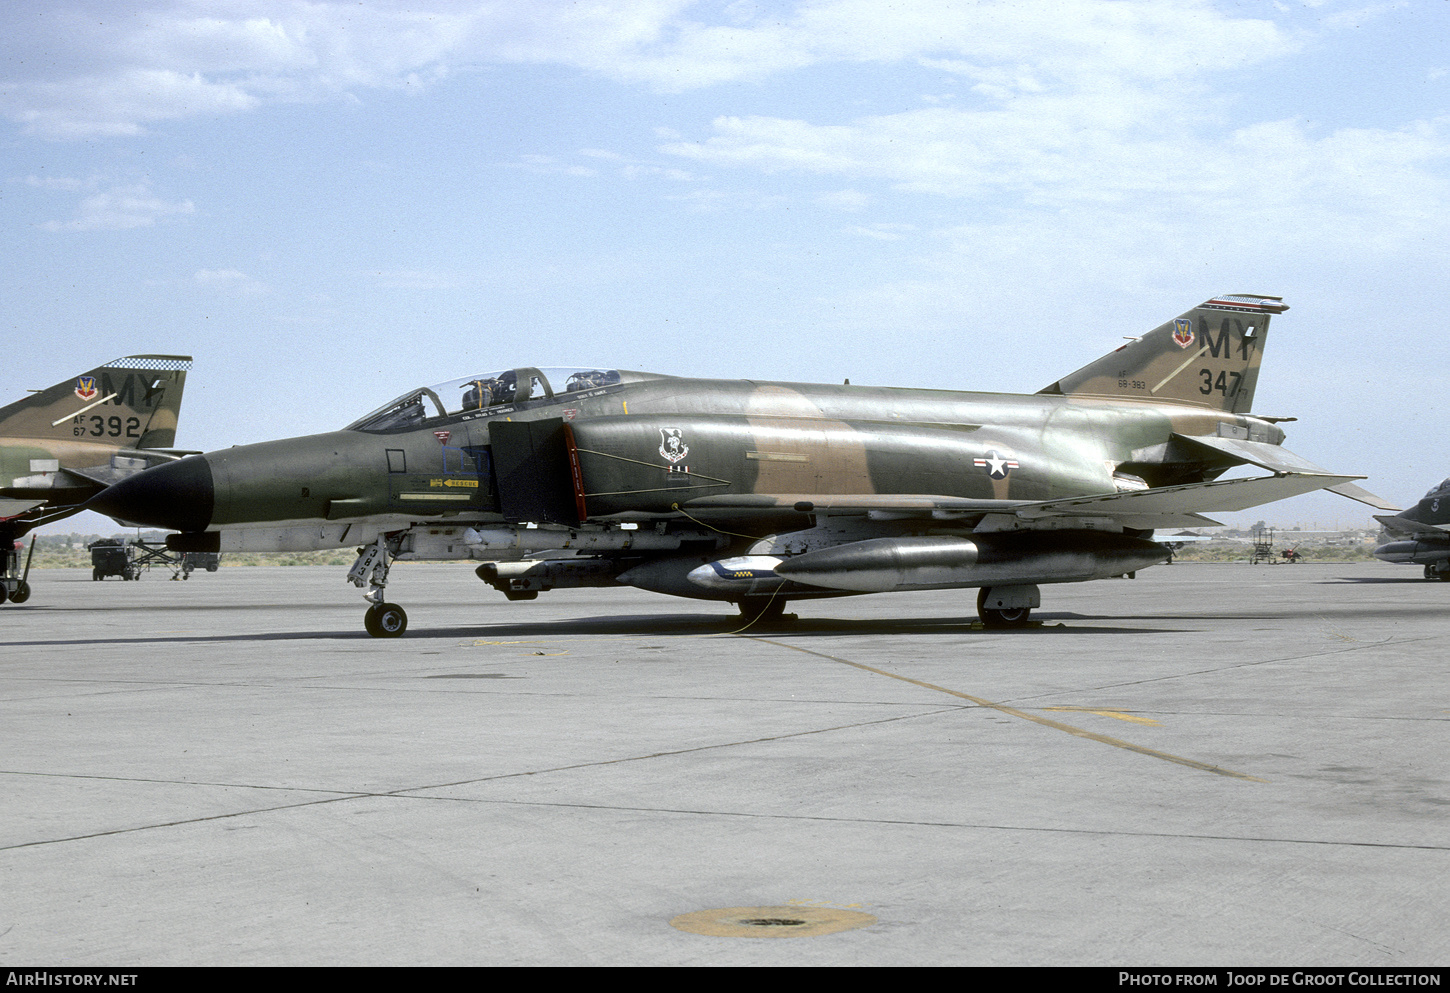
point(1014, 712)
point(1118, 714)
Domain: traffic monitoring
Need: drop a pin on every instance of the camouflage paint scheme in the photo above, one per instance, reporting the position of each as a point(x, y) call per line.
point(1420, 535)
point(63, 445)
point(763, 492)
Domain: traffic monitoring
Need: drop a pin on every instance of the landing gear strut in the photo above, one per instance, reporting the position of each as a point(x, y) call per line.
point(382, 620)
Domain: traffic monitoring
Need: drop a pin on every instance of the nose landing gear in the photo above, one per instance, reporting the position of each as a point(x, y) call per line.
point(382, 620)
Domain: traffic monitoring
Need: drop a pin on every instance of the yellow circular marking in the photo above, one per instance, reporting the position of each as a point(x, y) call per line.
point(771, 922)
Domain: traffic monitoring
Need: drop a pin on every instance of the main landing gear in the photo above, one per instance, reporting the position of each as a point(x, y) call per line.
point(13, 582)
point(382, 620)
point(764, 610)
point(1440, 571)
point(1007, 606)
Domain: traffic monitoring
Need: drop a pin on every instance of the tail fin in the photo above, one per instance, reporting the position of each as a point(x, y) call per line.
point(130, 403)
point(1209, 357)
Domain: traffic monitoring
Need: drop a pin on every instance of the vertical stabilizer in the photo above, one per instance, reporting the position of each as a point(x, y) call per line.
point(129, 403)
point(1209, 356)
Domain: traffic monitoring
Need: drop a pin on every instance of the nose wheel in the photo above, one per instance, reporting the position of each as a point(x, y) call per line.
point(385, 620)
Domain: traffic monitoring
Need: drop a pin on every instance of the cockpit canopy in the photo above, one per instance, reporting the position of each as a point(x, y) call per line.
point(1441, 488)
point(497, 389)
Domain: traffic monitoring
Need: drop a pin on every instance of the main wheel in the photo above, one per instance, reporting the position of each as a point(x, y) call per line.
point(762, 609)
point(21, 593)
point(385, 620)
point(96, 575)
point(1005, 617)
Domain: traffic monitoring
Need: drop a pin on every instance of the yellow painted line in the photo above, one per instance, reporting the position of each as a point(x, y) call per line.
point(1118, 714)
point(1014, 712)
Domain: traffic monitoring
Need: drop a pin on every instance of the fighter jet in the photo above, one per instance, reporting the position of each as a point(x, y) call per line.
point(760, 493)
point(1420, 535)
point(63, 445)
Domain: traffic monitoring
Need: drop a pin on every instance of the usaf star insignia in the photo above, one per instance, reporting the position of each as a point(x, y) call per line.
point(997, 466)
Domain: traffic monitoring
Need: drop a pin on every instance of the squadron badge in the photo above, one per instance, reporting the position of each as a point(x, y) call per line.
point(86, 388)
point(672, 445)
point(1182, 331)
point(997, 466)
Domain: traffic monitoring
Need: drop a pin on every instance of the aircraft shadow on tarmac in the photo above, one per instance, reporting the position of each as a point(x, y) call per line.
point(696, 625)
point(679, 625)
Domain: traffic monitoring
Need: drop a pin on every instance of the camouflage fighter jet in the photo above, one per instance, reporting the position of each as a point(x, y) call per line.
point(62, 446)
point(1420, 535)
point(760, 493)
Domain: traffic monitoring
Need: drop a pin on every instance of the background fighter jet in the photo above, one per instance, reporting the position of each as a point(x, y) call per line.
point(1420, 535)
point(62, 446)
point(760, 493)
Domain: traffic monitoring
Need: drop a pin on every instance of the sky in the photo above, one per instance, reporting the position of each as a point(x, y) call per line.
point(327, 204)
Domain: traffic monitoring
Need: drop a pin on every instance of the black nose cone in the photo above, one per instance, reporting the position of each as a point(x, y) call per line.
point(177, 496)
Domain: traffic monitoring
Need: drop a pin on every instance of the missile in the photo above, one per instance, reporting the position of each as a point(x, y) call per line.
point(881, 565)
point(1411, 551)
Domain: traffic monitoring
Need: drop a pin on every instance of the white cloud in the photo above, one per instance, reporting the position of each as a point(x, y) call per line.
point(549, 164)
point(883, 232)
point(72, 74)
point(121, 208)
point(1048, 157)
point(69, 183)
point(120, 103)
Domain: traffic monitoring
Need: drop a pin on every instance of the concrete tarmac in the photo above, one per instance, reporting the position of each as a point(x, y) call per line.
point(1223, 765)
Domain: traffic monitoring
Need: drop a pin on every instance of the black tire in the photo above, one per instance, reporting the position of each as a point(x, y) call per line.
point(21, 593)
point(1011, 617)
point(1015, 618)
point(4, 593)
point(385, 620)
point(96, 575)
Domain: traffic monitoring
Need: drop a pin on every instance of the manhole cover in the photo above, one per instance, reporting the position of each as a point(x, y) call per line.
point(771, 922)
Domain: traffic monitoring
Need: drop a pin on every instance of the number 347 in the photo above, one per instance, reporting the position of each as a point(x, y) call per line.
point(1227, 383)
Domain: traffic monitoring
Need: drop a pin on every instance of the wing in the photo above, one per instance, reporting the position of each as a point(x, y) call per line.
point(1165, 506)
point(1276, 459)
